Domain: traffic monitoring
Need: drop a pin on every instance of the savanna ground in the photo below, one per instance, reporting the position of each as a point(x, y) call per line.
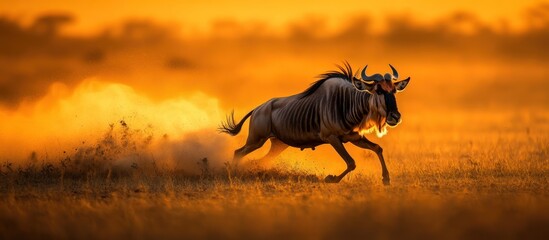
point(464, 182)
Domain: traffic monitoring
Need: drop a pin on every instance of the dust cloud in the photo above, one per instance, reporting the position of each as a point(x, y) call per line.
point(107, 125)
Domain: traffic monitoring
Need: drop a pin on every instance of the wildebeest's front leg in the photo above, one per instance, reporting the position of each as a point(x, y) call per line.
point(365, 143)
point(338, 146)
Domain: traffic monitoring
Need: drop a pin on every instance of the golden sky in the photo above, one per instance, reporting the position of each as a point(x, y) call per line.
point(93, 14)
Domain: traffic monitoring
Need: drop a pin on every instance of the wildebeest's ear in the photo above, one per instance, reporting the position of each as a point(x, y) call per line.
point(400, 85)
point(363, 86)
point(369, 87)
point(358, 84)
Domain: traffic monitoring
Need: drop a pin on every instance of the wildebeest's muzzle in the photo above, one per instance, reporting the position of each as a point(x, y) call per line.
point(393, 116)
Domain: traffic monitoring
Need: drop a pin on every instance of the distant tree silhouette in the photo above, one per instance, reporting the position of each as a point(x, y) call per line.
point(50, 24)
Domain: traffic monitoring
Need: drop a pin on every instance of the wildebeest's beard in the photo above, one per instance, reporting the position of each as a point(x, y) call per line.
point(376, 119)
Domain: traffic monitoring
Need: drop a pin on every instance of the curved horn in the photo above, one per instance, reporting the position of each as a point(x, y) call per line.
point(395, 73)
point(366, 78)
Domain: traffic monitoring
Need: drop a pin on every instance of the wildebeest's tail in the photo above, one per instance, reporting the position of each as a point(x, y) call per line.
point(230, 127)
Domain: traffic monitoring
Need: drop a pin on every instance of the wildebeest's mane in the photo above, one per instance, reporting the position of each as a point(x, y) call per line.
point(345, 72)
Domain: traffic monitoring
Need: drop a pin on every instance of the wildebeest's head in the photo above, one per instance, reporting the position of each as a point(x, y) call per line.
point(383, 89)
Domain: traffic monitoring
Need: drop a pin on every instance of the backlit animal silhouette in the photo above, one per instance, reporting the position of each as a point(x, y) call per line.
point(336, 109)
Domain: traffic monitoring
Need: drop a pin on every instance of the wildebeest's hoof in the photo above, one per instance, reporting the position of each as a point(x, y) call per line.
point(386, 181)
point(331, 179)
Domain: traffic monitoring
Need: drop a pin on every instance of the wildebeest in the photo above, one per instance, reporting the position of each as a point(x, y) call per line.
point(336, 109)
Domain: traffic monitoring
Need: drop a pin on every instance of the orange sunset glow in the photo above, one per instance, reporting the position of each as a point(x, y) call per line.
point(116, 105)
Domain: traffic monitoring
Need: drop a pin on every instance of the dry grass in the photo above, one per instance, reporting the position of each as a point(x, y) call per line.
point(460, 182)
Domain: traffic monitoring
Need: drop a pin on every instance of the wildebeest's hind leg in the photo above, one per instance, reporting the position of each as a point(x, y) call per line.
point(277, 147)
point(251, 145)
point(365, 143)
point(260, 127)
point(338, 146)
